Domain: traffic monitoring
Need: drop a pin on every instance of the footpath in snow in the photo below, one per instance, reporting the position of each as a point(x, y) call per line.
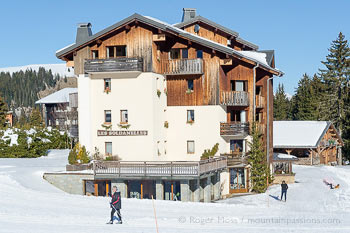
point(30, 204)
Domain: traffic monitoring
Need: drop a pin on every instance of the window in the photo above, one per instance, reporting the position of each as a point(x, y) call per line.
point(174, 53)
point(199, 53)
point(238, 85)
point(236, 145)
point(116, 51)
point(184, 53)
point(237, 180)
point(124, 116)
point(190, 147)
point(190, 115)
point(190, 85)
point(107, 86)
point(108, 148)
point(94, 54)
point(108, 116)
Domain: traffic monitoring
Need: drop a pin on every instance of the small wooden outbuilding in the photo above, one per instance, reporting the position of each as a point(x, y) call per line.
point(313, 142)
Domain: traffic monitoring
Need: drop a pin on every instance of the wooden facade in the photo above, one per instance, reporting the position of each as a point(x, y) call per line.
point(211, 71)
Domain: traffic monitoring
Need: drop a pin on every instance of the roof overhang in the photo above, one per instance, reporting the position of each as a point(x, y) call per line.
point(171, 30)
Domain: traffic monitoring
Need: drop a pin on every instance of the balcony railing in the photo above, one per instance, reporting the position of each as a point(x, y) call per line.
point(113, 65)
point(259, 101)
point(235, 98)
point(123, 168)
point(234, 129)
point(182, 66)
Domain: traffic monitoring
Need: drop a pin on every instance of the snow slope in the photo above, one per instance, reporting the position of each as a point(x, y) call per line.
point(30, 204)
point(60, 69)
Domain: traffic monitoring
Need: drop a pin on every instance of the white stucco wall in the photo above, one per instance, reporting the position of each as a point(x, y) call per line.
point(135, 92)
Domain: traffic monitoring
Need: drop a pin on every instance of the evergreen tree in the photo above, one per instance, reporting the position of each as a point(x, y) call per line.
point(3, 112)
point(35, 118)
point(257, 159)
point(280, 104)
point(305, 102)
point(336, 77)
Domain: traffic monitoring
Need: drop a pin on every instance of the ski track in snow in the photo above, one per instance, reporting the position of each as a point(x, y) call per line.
point(30, 204)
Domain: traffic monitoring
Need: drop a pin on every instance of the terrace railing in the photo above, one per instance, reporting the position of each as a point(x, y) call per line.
point(182, 66)
point(123, 168)
point(234, 98)
point(113, 65)
point(234, 128)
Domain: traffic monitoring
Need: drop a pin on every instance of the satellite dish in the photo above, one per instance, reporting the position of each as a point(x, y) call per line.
point(196, 28)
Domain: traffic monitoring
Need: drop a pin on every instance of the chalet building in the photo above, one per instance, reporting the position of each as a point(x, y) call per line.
point(312, 142)
point(155, 96)
point(61, 110)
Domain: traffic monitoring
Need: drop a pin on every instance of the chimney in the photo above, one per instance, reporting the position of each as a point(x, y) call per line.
point(83, 32)
point(188, 14)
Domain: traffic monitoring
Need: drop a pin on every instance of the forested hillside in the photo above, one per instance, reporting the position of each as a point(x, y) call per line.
point(21, 89)
point(322, 96)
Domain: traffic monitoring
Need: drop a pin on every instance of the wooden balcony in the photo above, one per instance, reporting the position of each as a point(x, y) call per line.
point(182, 66)
point(234, 98)
point(234, 129)
point(113, 65)
point(236, 158)
point(259, 101)
point(157, 169)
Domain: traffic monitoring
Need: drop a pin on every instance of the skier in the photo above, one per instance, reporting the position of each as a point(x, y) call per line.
point(284, 188)
point(115, 205)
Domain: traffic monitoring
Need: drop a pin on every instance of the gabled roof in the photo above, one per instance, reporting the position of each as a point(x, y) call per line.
point(300, 134)
point(170, 29)
point(61, 96)
point(218, 26)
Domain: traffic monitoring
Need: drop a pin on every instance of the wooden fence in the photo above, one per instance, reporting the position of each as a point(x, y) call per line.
point(235, 98)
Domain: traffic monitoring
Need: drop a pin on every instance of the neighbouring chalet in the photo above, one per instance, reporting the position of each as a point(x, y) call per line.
point(156, 95)
point(61, 110)
point(312, 142)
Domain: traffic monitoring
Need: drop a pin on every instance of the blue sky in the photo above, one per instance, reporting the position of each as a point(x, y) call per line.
point(299, 31)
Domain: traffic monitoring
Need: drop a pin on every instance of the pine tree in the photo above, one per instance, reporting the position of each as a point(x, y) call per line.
point(35, 118)
point(280, 104)
point(336, 77)
point(305, 103)
point(257, 159)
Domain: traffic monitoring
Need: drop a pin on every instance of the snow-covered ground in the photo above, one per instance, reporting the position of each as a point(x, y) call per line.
point(60, 69)
point(30, 204)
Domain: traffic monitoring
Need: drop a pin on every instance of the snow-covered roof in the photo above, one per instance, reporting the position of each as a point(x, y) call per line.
point(281, 157)
point(60, 69)
point(298, 134)
point(61, 96)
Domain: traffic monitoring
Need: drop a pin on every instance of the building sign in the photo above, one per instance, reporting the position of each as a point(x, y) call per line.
point(122, 132)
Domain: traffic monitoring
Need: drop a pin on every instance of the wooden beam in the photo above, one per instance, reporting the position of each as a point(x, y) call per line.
point(172, 191)
point(159, 37)
point(159, 31)
point(99, 42)
point(107, 188)
point(96, 189)
point(213, 51)
point(141, 190)
point(127, 27)
point(70, 63)
point(225, 62)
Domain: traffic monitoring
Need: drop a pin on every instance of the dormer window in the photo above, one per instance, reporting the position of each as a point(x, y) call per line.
point(116, 51)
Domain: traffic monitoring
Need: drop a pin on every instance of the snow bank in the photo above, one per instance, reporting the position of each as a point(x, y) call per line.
point(29, 203)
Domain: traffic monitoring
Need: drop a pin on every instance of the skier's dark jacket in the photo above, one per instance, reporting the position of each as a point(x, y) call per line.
point(284, 187)
point(116, 200)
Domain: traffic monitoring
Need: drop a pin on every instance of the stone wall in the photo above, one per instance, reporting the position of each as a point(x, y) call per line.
point(72, 183)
